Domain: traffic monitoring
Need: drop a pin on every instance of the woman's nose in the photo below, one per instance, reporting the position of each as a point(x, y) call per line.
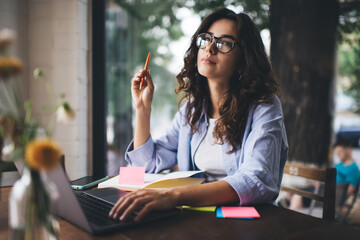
point(212, 47)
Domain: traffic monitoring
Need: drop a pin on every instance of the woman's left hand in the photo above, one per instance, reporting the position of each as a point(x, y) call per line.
point(146, 200)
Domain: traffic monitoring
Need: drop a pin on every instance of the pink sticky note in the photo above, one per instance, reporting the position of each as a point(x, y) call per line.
point(132, 175)
point(240, 212)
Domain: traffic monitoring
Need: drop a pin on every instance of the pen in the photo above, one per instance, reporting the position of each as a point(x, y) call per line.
point(145, 68)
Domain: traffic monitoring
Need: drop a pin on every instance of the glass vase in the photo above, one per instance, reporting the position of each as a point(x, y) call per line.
point(32, 203)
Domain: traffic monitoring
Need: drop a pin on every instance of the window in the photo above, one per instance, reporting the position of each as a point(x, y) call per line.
point(130, 35)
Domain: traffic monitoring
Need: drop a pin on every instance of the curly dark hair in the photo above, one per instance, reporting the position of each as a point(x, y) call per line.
point(253, 83)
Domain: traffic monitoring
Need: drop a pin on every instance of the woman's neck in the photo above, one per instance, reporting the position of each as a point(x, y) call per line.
point(218, 89)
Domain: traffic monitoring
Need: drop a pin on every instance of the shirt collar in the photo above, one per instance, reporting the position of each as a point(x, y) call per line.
point(203, 116)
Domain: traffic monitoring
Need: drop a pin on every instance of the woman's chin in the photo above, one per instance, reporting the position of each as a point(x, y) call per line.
point(208, 73)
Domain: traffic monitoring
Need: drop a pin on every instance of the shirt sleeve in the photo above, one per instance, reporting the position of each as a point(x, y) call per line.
point(339, 177)
point(354, 176)
point(157, 155)
point(259, 175)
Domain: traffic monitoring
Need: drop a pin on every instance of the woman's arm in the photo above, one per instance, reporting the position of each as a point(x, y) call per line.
point(258, 177)
point(219, 192)
point(154, 155)
point(142, 99)
point(142, 128)
point(157, 155)
point(214, 193)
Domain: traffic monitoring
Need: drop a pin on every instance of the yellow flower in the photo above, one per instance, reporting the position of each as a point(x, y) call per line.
point(10, 66)
point(42, 154)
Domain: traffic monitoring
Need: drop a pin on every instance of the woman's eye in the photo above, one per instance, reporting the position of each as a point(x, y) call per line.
point(207, 40)
point(226, 43)
point(219, 45)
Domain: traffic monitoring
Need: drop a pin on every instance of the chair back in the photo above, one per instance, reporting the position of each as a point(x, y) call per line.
point(341, 196)
point(357, 189)
point(327, 176)
point(349, 206)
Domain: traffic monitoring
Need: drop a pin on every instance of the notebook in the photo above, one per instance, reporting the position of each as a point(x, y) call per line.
point(157, 181)
point(89, 209)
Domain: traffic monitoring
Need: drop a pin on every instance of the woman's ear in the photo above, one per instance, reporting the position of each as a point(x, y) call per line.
point(238, 75)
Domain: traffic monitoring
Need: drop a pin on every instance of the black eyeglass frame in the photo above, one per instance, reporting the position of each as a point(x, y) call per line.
point(234, 43)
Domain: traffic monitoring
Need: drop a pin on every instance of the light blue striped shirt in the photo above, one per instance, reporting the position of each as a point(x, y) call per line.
point(254, 171)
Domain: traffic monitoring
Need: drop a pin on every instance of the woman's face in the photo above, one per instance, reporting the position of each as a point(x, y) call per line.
point(213, 64)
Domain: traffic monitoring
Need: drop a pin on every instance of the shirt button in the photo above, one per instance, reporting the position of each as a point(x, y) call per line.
point(229, 168)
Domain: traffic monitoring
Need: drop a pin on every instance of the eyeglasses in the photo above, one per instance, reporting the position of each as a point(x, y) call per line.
point(222, 44)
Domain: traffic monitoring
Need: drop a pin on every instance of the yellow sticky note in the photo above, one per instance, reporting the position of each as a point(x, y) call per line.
point(201, 209)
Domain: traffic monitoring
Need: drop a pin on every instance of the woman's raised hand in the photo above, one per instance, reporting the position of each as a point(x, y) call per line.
point(142, 98)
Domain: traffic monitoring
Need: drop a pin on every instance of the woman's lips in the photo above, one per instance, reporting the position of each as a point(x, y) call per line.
point(207, 60)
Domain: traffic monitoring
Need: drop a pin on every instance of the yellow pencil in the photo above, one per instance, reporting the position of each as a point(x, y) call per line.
point(145, 68)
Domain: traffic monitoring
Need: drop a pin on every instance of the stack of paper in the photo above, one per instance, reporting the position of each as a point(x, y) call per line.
point(174, 179)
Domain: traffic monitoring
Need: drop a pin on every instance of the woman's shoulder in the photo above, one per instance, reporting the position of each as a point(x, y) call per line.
point(271, 107)
point(273, 101)
point(182, 112)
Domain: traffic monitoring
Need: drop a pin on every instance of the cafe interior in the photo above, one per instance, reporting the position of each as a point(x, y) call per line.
point(69, 81)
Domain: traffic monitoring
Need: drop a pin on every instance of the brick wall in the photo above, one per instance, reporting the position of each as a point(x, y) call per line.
point(58, 43)
point(55, 37)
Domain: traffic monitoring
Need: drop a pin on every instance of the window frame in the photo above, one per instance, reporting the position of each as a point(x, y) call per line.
point(99, 86)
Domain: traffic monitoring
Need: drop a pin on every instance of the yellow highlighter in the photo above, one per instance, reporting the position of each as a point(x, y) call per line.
point(200, 209)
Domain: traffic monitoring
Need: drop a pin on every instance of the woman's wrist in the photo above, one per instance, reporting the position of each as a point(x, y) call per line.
point(175, 195)
point(143, 111)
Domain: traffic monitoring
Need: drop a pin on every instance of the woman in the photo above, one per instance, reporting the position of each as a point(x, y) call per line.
point(231, 125)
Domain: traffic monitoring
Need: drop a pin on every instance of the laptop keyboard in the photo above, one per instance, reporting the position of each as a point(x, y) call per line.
point(96, 210)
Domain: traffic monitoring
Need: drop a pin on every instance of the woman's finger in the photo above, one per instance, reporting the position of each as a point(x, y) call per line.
point(139, 74)
point(148, 78)
point(123, 203)
point(144, 211)
point(116, 211)
point(137, 77)
point(134, 206)
point(135, 80)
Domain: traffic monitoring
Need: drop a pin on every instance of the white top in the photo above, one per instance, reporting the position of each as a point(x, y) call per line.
point(208, 156)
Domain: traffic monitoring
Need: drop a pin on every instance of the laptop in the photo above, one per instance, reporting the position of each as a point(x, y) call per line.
point(89, 209)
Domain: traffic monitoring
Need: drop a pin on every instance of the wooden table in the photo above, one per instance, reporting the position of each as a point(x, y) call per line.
point(275, 223)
